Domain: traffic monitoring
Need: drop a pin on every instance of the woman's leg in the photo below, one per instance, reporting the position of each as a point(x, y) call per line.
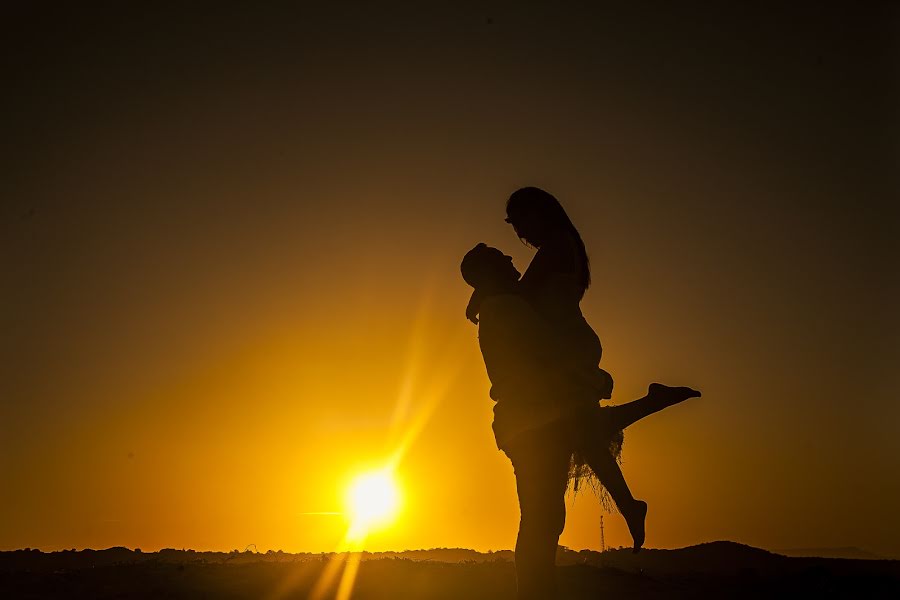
point(609, 421)
point(617, 418)
point(607, 469)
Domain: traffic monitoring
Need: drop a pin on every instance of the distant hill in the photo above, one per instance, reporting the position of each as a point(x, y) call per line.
point(710, 557)
point(844, 552)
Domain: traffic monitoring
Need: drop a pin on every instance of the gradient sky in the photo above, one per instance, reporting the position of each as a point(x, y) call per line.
point(230, 248)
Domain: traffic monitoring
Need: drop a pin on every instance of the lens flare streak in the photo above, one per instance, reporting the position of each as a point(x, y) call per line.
point(373, 499)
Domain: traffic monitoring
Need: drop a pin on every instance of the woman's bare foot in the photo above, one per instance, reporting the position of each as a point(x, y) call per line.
point(635, 517)
point(667, 395)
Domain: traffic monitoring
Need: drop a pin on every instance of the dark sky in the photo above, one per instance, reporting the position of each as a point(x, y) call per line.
point(231, 232)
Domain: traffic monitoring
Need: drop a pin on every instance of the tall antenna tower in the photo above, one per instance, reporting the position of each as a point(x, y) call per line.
point(602, 537)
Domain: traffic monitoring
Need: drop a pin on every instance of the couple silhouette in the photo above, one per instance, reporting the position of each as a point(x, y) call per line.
point(542, 358)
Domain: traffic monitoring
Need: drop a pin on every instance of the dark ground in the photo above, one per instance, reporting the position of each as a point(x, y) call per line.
point(715, 570)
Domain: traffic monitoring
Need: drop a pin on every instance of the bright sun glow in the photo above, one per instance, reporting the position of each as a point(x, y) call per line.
point(373, 500)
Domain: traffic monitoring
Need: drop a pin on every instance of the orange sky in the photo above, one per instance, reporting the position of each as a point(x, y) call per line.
point(230, 270)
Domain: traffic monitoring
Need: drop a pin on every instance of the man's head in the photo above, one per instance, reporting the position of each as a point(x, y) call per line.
point(488, 269)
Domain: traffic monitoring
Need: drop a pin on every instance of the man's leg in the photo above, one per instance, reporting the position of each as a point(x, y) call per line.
point(541, 465)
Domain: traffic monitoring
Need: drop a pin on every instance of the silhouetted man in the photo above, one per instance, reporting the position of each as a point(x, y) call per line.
point(544, 412)
point(534, 396)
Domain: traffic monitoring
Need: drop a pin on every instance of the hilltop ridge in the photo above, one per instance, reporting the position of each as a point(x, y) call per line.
point(719, 569)
point(707, 557)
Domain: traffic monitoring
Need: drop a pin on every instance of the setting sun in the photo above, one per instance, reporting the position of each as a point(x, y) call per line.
point(373, 500)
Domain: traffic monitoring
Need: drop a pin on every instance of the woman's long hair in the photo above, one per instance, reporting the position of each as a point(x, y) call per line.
point(553, 216)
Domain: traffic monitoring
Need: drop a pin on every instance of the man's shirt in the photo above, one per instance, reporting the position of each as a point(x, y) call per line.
point(531, 380)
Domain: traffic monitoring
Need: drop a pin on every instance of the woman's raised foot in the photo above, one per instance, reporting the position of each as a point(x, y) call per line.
point(668, 395)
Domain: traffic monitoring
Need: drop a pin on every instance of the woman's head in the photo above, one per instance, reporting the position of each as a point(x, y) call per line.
point(537, 217)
